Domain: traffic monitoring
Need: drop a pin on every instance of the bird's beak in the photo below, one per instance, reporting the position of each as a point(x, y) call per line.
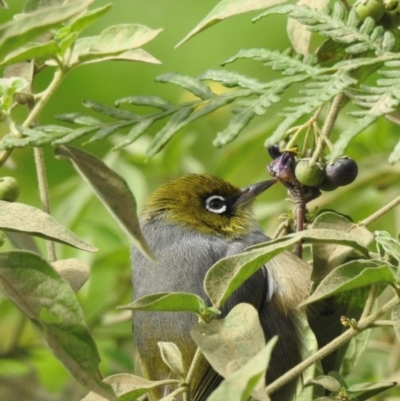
point(252, 191)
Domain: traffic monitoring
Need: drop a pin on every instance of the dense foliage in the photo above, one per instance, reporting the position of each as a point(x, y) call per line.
point(328, 104)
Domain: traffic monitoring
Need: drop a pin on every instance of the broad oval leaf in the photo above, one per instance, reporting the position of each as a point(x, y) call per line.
point(172, 357)
point(227, 8)
point(396, 320)
point(27, 219)
point(328, 256)
point(128, 387)
point(116, 40)
point(327, 382)
point(73, 271)
point(86, 19)
point(240, 385)
point(231, 272)
point(111, 189)
point(20, 31)
point(365, 391)
point(32, 51)
point(229, 343)
point(351, 275)
point(168, 301)
point(45, 298)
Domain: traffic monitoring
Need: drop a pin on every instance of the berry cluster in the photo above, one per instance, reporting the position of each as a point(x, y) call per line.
point(326, 177)
point(384, 12)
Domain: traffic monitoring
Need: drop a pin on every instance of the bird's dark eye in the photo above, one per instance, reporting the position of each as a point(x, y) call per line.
point(216, 204)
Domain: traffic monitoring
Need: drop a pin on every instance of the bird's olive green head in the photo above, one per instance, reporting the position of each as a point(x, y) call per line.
point(206, 204)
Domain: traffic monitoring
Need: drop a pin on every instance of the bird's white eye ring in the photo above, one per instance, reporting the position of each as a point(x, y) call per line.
point(216, 204)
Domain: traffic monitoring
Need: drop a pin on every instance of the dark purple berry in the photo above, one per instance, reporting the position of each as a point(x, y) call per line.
point(282, 168)
point(343, 172)
point(274, 151)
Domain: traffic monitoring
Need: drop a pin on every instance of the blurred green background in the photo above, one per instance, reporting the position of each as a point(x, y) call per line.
point(28, 371)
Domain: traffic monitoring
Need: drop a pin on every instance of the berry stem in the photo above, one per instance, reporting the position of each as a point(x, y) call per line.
point(375, 216)
point(44, 196)
point(327, 128)
point(194, 367)
point(362, 324)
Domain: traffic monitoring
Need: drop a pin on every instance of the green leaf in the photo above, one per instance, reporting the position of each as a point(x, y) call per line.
point(240, 385)
point(176, 122)
point(33, 5)
point(138, 130)
point(230, 342)
point(168, 302)
point(27, 219)
point(285, 61)
point(139, 55)
point(83, 21)
point(18, 32)
point(231, 79)
point(327, 382)
point(191, 84)
point(229, 273)
point(328, 256)
point(316, 94)
point(172, 357)
point(113, 41)
point(37, 289)
point(298, 33)
point(108, 111)
point(128, 387)
point(154, 101)
point(111, 189)
point(377, 101)
point(351, 275)
point(395, 155)
point(365, 391)
point(355, 349)
point(73, 271)
point(390, 245)
point(237, 123)
point(32, 51)
point(396, 321)
point(228, 8)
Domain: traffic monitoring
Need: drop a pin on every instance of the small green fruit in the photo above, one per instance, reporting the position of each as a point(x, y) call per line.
point(9, 189)
point(310, 175)
point(390, 5)
point(343, 172)
point(369, 8)
point(391, 19)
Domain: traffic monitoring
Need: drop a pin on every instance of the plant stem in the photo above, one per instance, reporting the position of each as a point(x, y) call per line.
point(362, 324)
point(44, 196)
point(380, 212)
point(194, 366)
point(36, 110)
point(370, 301)
point(327, 128)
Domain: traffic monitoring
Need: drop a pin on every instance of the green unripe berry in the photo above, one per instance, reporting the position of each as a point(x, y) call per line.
point(369, 8)
point(390, 5)
point(9, 189)
point(391, 19)
point(310, 175)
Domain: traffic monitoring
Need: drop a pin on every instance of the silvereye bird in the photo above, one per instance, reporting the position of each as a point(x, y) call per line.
point(190, 223)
